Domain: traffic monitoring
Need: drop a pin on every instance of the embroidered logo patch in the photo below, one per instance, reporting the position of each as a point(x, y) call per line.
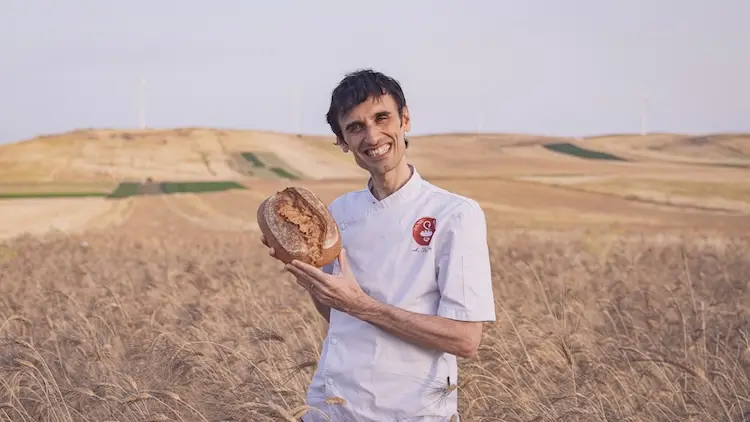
point(423, 230)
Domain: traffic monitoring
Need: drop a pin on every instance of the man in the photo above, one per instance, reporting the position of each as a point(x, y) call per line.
point(412, 285)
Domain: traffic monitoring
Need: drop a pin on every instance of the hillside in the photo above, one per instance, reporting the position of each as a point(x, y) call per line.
point(178, 154)
point(111, 156)
point(723, 148)
point(525, 179)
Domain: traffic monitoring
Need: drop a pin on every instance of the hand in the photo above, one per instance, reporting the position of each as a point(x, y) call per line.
point(263, 241)
point(271, 250)
point(341, 292)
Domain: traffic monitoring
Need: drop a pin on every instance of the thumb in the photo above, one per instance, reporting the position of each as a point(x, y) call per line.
point(344, 262)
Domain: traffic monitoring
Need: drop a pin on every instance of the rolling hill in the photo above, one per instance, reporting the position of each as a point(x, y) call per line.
point(202, 154)
point(179, 154)
point(216, 177)
point(715, 149)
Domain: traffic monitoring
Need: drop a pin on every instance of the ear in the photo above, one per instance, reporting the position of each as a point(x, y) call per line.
point(344, 147)
point(405, 119)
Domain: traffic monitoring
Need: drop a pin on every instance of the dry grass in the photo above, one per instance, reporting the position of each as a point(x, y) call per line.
point(736, 190)
point(37, 216)
point(726, 195)
point(167, 308)
point(40, 187)
point(720, 191)
point(162, 319)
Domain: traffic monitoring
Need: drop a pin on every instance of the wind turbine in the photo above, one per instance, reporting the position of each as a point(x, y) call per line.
point(644, 107)
point(298, 107)
point(481, 90)
point(480, 124)
point(480, 78)
point(142, 104)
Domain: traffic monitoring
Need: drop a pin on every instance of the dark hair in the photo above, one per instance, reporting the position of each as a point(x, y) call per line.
point(357, 87)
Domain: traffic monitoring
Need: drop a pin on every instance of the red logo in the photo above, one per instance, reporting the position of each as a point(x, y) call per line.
point(423, 230)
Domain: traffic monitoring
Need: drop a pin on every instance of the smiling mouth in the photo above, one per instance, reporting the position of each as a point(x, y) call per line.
point(379, 151)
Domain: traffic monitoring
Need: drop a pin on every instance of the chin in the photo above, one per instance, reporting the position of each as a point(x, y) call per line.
point(383, 167)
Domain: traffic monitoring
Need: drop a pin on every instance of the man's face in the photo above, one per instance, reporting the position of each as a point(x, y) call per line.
point(374, 133)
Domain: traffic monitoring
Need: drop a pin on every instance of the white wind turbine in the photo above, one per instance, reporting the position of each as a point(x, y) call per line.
point(644, 110)
point(298, 107)
point(142, 104)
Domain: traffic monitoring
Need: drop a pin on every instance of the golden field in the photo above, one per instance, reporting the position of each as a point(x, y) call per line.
point(622, 287)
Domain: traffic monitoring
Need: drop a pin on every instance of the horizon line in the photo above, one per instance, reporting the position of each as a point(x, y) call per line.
point(416, 135)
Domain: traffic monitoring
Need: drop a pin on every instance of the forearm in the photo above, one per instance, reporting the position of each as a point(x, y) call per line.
point(428, 331)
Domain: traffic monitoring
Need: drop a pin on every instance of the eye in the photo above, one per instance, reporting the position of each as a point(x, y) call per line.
point(381, 118)
point(354, 127)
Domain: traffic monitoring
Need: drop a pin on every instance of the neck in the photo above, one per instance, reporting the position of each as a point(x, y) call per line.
point(383, 185)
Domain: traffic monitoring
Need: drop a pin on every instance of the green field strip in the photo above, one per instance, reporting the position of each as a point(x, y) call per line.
point(127, 189)
point(253, 159)
point(30, 190)
point(239, 164)
point(265, 165)
point(279, 167)
point(200, 187)
point(576, 151)
point(284, 174)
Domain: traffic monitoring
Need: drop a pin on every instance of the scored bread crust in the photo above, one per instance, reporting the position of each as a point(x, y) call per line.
point(287, 238)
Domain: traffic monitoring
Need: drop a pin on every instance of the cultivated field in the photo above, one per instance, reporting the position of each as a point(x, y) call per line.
point(621, 285)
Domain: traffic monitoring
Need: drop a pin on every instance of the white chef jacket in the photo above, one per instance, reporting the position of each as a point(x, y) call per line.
point(423, 249)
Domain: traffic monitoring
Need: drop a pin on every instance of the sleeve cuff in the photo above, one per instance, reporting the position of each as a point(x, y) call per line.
point(469, 315)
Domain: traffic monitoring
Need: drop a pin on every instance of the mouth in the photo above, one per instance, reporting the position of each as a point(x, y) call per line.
point(378, 152)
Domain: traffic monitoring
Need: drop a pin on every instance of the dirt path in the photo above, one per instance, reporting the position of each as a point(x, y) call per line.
point(39, 216)
point(118, 214)
point(196, 210)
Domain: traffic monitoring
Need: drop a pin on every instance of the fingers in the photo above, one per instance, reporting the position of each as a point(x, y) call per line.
point(311, 276)
point(271, 250)
point(310, 269)
point(298, 273)
point(343, 261)
point(303, 279)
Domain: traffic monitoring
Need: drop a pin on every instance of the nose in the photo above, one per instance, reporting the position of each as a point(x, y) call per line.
point(372, 135)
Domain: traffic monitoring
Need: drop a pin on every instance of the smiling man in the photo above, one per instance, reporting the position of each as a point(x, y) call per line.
point(412, 286)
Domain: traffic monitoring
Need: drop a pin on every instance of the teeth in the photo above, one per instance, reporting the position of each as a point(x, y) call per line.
point(379, 151)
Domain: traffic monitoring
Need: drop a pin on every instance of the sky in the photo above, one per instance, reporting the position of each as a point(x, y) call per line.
point(552, 67)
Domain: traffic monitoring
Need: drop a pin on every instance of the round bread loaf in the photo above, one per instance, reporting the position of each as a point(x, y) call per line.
point(297, 224)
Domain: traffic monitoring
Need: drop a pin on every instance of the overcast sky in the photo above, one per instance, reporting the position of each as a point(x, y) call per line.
point(572, 67)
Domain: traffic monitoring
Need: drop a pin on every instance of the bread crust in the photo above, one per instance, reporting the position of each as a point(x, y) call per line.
point(298, 225)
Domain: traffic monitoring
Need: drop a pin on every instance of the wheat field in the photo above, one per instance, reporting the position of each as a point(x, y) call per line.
point(612, 305)
point(159, 319)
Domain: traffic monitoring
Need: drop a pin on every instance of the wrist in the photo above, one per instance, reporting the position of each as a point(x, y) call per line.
point(365, 308)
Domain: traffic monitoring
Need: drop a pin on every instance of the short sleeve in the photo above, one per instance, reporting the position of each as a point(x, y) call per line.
point(463, 266)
